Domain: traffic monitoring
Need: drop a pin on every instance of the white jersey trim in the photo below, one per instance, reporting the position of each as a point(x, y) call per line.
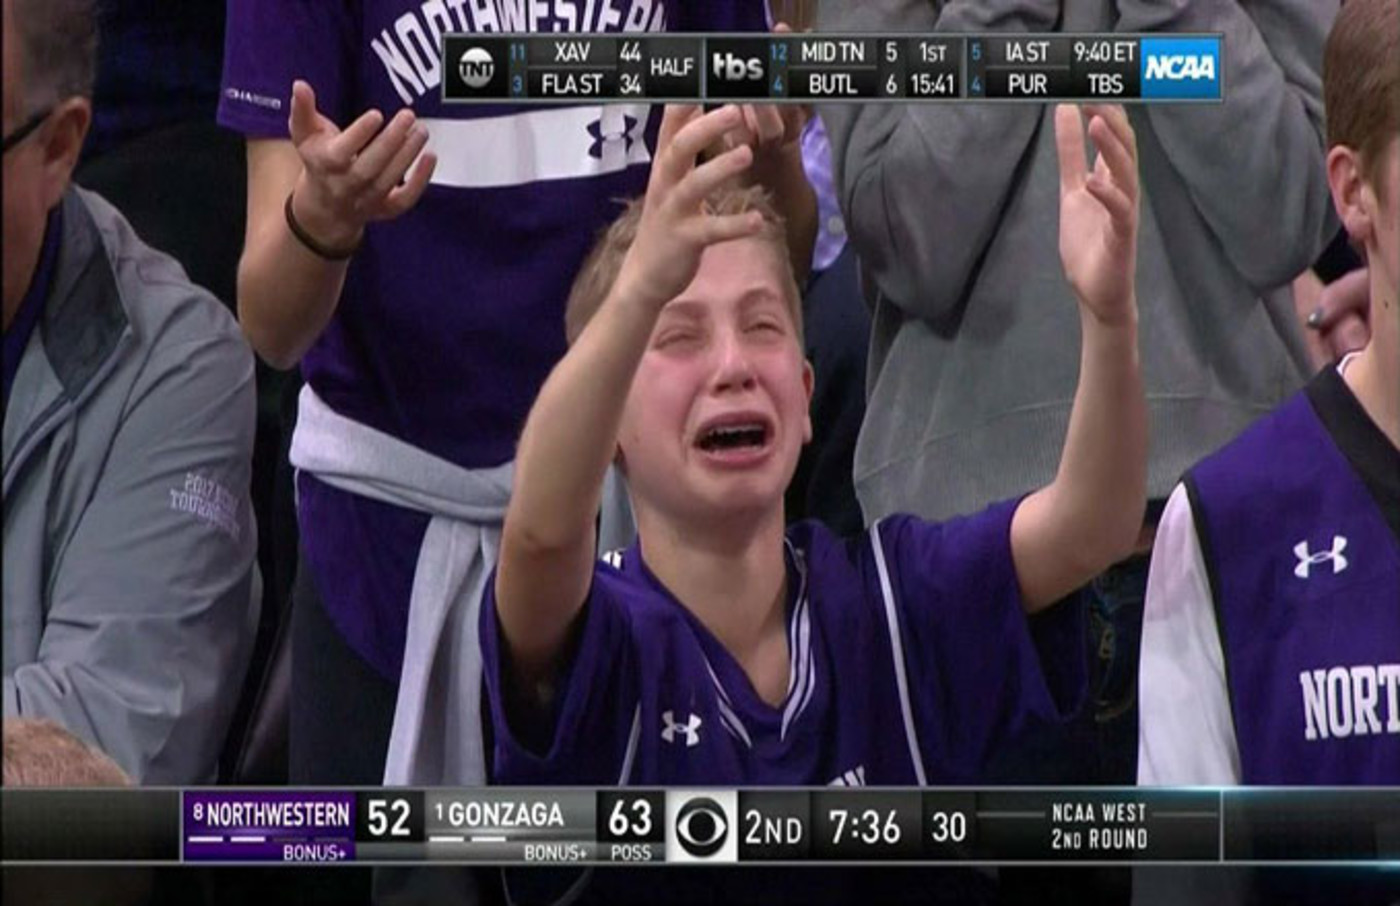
point(897, 648)
point(1186, 733)
point(801, 679)
point(537, 146)
point(632, 738)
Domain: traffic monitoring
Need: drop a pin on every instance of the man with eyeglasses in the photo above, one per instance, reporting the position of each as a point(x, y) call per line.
point(129, 582)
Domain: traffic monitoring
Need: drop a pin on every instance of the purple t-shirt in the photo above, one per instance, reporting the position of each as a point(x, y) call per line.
point(922, 623)
point(453, 314)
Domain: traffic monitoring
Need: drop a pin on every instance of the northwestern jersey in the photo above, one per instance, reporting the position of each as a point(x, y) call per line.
point(1299, 526)
point(911, 660)
point(452, 314)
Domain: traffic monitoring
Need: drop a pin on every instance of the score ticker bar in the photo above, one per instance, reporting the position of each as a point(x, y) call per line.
point(627, 67)
point(513, 826)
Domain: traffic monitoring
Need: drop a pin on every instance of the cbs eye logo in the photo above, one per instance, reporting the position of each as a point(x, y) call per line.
point(702, 827)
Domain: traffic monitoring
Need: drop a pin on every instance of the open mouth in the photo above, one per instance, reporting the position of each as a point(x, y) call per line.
point(748, 435)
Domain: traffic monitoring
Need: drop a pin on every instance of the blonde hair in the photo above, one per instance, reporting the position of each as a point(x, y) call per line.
point(41, 753)
point(600, 269)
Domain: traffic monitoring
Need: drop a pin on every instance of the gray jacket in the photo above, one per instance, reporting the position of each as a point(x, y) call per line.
point(955, 212)
point(129, 582)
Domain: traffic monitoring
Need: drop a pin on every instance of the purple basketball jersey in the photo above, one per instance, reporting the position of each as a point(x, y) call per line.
point(922, 624)
point(1299, 525)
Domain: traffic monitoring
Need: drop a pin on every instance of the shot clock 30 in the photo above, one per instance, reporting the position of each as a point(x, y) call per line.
point(950, 825)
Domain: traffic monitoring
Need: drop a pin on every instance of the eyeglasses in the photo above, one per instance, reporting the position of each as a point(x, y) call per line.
point(23, 132)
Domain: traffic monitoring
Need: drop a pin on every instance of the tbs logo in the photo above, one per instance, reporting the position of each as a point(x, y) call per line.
point(737, 69)
point(734, 68)
point(1181, 68)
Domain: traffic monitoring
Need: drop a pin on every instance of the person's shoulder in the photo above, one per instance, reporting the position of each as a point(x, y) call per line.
point(993, 520)
point(902, 544)
point(1265, 455)
point(167, 311)
point(621, 578)
point(824, 550)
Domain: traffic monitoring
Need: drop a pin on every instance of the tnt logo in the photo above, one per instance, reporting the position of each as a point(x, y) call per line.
point(1181, 68)
point(476, 67)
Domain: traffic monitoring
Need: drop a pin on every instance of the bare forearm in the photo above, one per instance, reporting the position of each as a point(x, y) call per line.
point(1103, 470)
point(547, 546)
point(286, 294)
point(579, 410)
point(1089, 517)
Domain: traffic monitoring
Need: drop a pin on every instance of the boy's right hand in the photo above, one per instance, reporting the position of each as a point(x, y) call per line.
point(352, 177)
point(1099, 210)
point(675, 227)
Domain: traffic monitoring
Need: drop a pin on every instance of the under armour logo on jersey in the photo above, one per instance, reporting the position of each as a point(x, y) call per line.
point(691, 729)
point(1307, 560)
point(607, 129)
point(854, 777)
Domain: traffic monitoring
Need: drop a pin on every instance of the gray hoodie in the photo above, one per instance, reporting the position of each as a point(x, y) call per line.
point(954, 209)
point(129, 583)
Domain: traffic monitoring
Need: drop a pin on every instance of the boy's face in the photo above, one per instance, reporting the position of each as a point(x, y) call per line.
point(717, 413)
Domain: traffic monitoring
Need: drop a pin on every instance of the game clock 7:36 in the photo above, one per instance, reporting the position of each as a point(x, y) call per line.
point(857, 826)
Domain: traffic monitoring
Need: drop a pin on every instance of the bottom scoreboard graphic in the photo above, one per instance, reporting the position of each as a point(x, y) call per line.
point(272, 826)
point(829, 825)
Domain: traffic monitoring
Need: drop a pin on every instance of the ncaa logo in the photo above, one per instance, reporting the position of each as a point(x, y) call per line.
point(476, 66)
point(1180, 68)
point(702, 826)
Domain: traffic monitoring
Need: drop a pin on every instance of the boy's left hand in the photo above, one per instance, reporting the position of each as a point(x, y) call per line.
point(1099, 210)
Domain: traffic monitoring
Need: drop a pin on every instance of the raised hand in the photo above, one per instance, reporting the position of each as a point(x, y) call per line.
point(675, 227)
point(772, 130)
point(354, 176)
point(1099, 210)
